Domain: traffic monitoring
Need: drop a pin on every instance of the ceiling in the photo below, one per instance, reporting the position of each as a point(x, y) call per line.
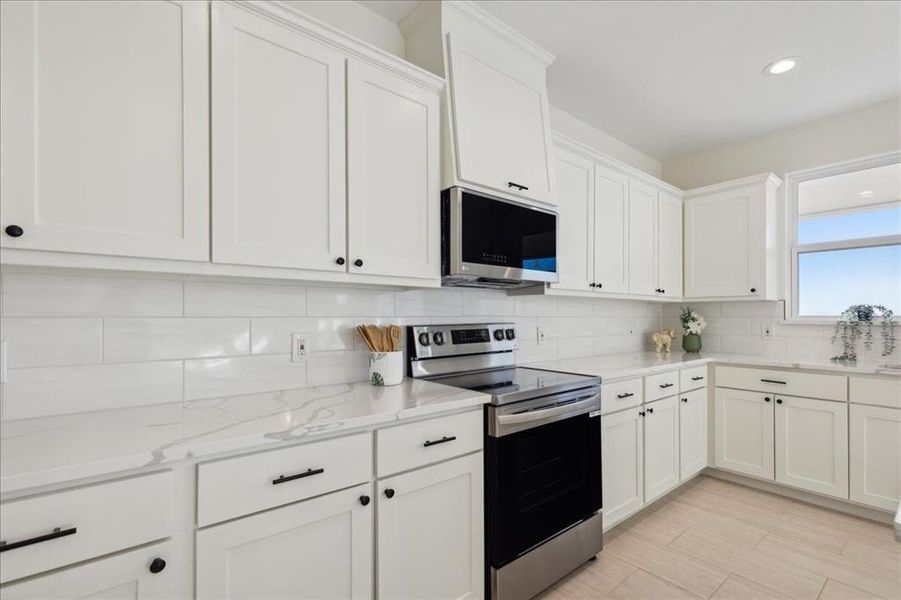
point(674, 77)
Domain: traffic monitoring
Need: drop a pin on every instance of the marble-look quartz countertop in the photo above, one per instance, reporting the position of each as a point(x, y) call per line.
point(51, 450)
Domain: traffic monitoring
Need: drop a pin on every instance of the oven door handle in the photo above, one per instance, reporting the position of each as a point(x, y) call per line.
point(549, 414)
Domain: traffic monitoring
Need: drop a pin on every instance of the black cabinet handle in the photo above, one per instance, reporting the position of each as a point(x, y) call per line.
point(600, 285)
point(56, 533)
point(364, 500)
point(307, 473)
point(626, 395)
point(14, 231)
point(641, 413)
point(773, 381)
point(521, 188)
point(685, 400)
point(651, 411)
point(766, 399)
point(592, 285)
point(340, 260)
point(753, 290)
point(698, 378)
point(778, 401)
point(157, 565)
point(358, 262)
point(389, 493)
point(443, 440)
point(666, 385)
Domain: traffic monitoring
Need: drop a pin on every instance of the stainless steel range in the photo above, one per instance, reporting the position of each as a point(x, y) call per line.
point(542, 453)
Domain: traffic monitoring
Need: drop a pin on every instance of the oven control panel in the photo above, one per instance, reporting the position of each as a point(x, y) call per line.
point(430, 341)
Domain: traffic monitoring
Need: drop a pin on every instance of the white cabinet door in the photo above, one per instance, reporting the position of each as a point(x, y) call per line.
point(319, 548)
point(692, 432)
point(642, 239)
point(104, 127)
point(393, 193)
point(278, 142)
point(723, 244)
point(430, 542)
point(611, 242)
point(575, 240)
point(501, 123)
point(812, 445)
point(622, 461)
point(669, 244)
point(661, 447)
point(875, 444)
point(125, 575)
point(743, 432)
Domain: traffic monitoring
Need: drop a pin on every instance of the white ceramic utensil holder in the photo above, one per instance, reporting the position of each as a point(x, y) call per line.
point(386, 368)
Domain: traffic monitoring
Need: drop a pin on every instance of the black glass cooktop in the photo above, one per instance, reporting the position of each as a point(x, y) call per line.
point(517, 383)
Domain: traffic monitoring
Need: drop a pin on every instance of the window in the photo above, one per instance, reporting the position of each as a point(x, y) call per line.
point(846, 237)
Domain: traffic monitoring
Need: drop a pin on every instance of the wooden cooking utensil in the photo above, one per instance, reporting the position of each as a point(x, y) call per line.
point(364, 333)
point(378, 340)
point(394, 337)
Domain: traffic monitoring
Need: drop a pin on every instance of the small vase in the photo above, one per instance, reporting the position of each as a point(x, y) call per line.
point(691, 342)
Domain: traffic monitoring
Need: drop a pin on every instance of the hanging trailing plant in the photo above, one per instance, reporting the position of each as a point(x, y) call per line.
point(856, 321)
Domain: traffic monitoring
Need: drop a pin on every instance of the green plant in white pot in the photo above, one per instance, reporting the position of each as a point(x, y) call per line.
point(692, 326)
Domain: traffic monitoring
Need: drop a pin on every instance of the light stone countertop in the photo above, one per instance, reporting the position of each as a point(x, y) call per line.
point(51, 450)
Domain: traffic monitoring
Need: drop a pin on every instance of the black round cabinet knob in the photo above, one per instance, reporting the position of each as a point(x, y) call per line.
point(340, 260)
point(651, 410)
point(14, 231)
point(389, 493)
point(778, 401)
point(358, 262)
point(753, 290)
point(767, 399)
point(685, 400)
point(157, 565)
point(364, 500)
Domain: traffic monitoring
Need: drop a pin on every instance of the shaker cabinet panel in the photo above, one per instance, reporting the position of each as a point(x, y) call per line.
point(743, 432)
point(104, 128)
point(611, 226)
point(661, 447)
point(875, 460)
point(642, 239)
point(278, 102)
point(692, 432)
point(622, 459)
point(669, 244)
point(576, 241)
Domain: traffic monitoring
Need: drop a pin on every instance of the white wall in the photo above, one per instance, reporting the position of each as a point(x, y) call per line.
point(354, 19)
point(863, 132)
point(82, 340)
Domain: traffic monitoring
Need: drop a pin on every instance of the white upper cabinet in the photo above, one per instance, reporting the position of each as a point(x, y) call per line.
point(104, 131)
point(393, 175)
point(730, 239)
point(498, 128)
point(642, 239)
point(576, 240)
point(669, 244)
point(278, 145)
point(611, 242)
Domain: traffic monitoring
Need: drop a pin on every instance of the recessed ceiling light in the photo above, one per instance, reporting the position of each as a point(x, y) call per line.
point(866, 193)
point(783, 65)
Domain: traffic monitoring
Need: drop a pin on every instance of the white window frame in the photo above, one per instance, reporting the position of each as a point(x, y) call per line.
point(792, 182)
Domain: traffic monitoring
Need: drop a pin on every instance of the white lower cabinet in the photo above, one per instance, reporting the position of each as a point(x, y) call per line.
point(661, 447)
point(622, 463)
point(812, 445)
point(744, 432)
point(875, 456)
point(143, 574)
point(319, 548)
point(692, 432)
point(430, 531)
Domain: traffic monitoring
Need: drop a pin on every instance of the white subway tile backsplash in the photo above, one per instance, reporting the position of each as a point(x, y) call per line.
point(214, 377)
point(753, 309)
point(348, 302)
point(575, 347)
point(753, 345)
point(440, 302)
point(729, 325)
point(46, 391)
point(574, 307)
point(327, 368)
point(43, 295)
point(52, 342)
point(487, 303)
point(536, 306)
point(161, 338)
point(215, 299)
point(607, 308)
point(270, 335)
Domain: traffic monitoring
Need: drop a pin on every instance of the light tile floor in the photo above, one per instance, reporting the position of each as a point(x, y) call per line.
point(715, 539)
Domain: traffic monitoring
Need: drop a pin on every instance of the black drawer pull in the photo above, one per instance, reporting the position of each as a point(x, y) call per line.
point(307, 473)
point(56, 533)
point(626, 395)
point(773, 381)
point(685, 400)
point(443, 440)
point(513, 184)
point(666, 385)
point(698, 378)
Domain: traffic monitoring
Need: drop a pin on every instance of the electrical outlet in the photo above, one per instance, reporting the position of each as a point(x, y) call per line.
point(630, 327)
point(541, 335)
point(766, 331)
point(300, 347)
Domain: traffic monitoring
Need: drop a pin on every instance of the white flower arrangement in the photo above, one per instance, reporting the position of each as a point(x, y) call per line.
point(692, 322)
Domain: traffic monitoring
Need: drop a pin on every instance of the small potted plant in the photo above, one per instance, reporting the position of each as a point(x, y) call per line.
point(692, 326)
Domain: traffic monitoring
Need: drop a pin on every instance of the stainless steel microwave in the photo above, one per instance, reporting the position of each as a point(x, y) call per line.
point(494, 243)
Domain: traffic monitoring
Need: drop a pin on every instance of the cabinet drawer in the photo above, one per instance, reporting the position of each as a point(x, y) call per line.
point(791, 383)
point(661, 386)
point(877, 391)
point(620, 395)
point(693, 378)
point(238, 486)
point(409, 446)
point(75, 525)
